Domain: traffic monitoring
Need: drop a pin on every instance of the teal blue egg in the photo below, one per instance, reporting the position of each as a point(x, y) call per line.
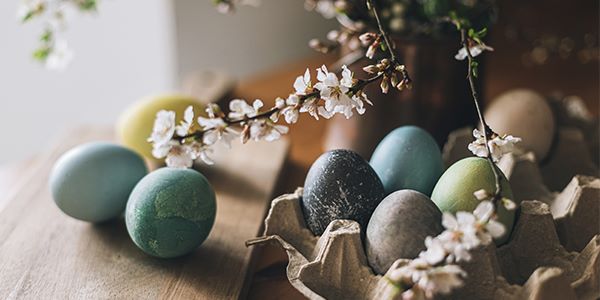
point(408, 158)
point(92, 182)
point(170, 212)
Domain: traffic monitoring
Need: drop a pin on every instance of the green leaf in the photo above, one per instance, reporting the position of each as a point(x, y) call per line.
point(87, 5)
point(474, 66)
point(46, 36)
point(481, 33)
point(41, 54)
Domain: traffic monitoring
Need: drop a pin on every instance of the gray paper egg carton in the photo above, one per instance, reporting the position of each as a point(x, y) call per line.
point(553, 251)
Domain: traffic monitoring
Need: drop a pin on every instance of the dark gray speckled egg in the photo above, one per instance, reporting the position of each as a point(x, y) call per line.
point(340, 185)
point(398, 228)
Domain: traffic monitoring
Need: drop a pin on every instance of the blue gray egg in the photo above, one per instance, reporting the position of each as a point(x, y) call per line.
point(92, 182)
point(398, 228)
point(408, 158)
point(340, 185)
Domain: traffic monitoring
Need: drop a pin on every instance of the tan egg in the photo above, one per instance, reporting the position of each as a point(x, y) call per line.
point(526, 114)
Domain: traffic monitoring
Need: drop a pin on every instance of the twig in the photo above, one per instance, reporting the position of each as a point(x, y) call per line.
point(382, 31)
point(487, 131)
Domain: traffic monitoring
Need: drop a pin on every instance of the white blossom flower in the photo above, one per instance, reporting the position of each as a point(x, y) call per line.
point(291, 112)
point(302, 85)
point(179, 156)
point(435, 252)
point(499, 145)
point(427, 280)
point(440, 280)
point(216, 130)
point(241, 109)
point(326, 8)
point(311, 107)
point(335, 93)
point(482, 194)
point(484, 213)
point(187, 122)
point(266, 130)
point(198, 150)
point(475, 50)
point(60, 57)
point(164, 128)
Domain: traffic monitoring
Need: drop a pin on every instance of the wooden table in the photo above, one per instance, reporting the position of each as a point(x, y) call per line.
point(269, 280)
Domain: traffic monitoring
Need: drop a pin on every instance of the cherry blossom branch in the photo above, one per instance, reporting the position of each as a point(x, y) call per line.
point(388, 45)
point(181, 144)
point(487, 131)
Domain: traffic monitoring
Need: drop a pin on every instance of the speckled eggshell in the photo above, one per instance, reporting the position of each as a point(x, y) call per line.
point(136, 122)
point(526, 114)
point(454, 191)
point(92, 182)
point(398, 227)
point(340, 185)
point(170, 212)
point(408, 158)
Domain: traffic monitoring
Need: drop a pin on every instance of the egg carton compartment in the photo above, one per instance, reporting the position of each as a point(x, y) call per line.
point(532, 265)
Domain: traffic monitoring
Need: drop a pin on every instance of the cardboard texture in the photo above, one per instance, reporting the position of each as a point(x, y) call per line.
point(553, 251)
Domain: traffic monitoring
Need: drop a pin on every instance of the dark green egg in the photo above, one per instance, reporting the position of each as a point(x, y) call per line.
point(170, 212)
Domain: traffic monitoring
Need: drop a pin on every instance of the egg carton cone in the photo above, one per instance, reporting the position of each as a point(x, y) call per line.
point(532, 265)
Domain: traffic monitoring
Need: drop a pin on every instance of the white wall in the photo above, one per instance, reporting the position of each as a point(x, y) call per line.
point(131, 49)
point(250, 40)
point(121, 54)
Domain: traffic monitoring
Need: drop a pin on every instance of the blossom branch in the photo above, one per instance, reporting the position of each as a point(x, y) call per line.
point(386, 39)
point(487, 131)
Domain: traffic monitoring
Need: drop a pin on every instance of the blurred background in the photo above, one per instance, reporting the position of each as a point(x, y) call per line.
point(130, 49)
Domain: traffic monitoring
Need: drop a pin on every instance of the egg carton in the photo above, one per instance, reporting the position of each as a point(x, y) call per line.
point(553, 251)
point(532, 265)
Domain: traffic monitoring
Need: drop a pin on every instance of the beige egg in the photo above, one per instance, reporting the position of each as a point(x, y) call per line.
point(526, 114)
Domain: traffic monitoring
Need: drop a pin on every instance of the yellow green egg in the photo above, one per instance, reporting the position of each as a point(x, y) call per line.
point(454, 191)
point(136, 122)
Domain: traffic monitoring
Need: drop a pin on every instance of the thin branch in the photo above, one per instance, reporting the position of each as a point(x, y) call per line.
point(360, 84)
point(487, 132)
point(382, 31)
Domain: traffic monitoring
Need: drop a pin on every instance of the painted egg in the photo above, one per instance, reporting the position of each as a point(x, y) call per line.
point(408, 158)
point(454, 191)
point(526, 114)
point(135, 123)
point(92, 182)
point(398, 228)
point(170, 212)
point(340, 185)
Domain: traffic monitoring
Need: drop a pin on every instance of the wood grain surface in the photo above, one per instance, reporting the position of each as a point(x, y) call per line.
point(45, 254)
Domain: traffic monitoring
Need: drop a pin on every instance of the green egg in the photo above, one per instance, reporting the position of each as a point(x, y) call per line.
point(454, 191)
point(170, 212)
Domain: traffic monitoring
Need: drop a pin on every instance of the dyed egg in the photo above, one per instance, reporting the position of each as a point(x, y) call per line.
point(340, 185)
point(170, 212)
point(398, 228)
point(454, 191)
point(408, 158)
point(92, 182)
point(136, 123)
point(525, 114)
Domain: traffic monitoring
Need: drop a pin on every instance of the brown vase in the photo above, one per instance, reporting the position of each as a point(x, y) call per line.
point(440, 100)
